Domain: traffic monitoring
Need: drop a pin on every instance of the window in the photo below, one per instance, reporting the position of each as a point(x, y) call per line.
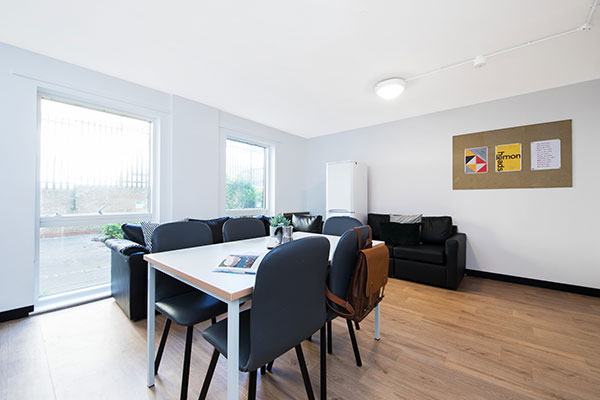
point(92, 162)
point(245, 175)
point(95, 173)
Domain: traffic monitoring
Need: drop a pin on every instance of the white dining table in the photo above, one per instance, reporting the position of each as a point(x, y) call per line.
point(195, 266)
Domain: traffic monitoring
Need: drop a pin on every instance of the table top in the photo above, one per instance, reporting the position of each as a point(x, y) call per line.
point(195, 265)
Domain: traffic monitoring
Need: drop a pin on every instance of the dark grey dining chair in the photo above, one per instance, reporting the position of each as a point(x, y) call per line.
point(338, 225)
point(338, 280)
point(177, 301)
point(288, 304)
point(243, 228)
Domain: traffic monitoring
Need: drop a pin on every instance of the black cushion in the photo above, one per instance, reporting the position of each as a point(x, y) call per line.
point(375, 221)
point(400, 234)
point(266, 222)
point(307, 223)
point(191, 308)
point(428, 253)
point(125, 247)
point(134, 233)
point(436, 229)
point(215, 225)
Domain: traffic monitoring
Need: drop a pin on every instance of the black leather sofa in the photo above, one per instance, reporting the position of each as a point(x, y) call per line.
point(129, 271)
point(439, 260)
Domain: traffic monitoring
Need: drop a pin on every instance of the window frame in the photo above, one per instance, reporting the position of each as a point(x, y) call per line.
point(116, 106)
point(269, 147)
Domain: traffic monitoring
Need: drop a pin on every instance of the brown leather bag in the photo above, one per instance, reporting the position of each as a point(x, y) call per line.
point(367, 283)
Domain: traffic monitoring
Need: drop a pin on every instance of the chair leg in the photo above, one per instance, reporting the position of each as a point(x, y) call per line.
point(270, 366)
point(213, 320)
point(209, 375)
point(354, 344)
point(329, 338)
point(309, 338)
point(357, 326)
point(252, 386)
point(323, 365)
point(305, 376)
point(187, 356)
point(263, 370)
point(161, 346)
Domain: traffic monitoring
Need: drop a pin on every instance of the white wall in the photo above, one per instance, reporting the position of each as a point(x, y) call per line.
point(186, 154)
point(547, 234)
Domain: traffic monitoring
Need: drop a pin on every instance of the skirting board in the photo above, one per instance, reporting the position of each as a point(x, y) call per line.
point(535, 282)
point(15, 314)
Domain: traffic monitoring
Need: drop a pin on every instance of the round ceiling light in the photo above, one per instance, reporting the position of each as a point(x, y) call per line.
point(390, 88)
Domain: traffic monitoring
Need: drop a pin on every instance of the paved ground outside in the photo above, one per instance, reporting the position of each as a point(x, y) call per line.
point(72, 262)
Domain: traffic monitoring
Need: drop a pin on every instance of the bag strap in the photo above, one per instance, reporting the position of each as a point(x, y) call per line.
point(368, 242)
point(359, 238)
point(340, 302)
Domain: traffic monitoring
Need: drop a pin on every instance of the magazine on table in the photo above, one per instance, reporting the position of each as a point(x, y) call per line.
point(239, 264)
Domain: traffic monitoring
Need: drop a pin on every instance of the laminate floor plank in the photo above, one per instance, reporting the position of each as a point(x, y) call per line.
point(488, 340)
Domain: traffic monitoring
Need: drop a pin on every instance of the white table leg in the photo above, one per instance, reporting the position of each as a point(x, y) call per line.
point(377, 326)
point(233, 349)
point(150, 322)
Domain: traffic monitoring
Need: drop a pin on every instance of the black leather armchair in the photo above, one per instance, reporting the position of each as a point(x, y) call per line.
point(129, 274)
point(439, 259)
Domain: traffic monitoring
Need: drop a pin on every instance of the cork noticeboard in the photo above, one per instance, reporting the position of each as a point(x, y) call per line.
point(513, 167)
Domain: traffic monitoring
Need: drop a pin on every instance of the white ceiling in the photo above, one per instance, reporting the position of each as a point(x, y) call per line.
point(309, 67)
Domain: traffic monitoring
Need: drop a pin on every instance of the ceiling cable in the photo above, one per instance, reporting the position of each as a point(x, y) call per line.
point(480, 60)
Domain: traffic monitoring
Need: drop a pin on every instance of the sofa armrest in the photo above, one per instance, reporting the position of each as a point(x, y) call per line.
point(456, 254)
point(128, 277)
point(125, 247)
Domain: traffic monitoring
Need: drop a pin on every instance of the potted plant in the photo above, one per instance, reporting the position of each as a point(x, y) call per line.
point(277, 225)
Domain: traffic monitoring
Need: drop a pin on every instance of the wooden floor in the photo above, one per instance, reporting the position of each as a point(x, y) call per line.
point(488, 340)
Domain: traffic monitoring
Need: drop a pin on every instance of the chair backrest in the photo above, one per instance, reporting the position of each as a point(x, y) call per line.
point(343, 261)
point(338, 225)
point(175, 236)
point(288, 303)
point(242, 228)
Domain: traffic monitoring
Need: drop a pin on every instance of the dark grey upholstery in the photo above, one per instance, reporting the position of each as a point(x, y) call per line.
point(288, 305)
point(177, 301)
point(174, 236)
point(242, 228)
point(338, 225)
point(338, 280)
point(343, 263)
point(195, 306)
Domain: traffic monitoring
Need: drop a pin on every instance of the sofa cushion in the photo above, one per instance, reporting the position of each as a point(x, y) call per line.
point(307, 223)
point(215, 225)
point(148, 229)
point(406, 219)
point(134, 233)
point(375, 221)
point(427, 253)
point(400, 234)
point(436, 229)
point(266, 222)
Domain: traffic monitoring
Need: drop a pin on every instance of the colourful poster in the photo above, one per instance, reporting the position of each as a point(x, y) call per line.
point(476, 160)
point(508, 157)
